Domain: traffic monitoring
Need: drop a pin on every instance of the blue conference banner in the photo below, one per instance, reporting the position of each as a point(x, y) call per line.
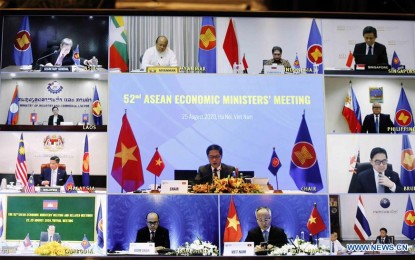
point(187, 217)
point(289, 212)
point(248, 115)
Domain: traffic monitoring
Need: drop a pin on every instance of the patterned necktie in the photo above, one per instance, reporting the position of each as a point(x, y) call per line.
point(370, 51)
point(381, 188)
point(215, 172)
point(265, 235)
point(377, 123)
point(152, 235)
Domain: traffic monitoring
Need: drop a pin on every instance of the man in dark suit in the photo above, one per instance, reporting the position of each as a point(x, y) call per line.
point(273, 236)
point(53, 176)
point(153, 232)
point(378, 179)
point(215, 168)
point(55, 119)
point(370, 48)
point(377, 122)
point(62, 56)
point(50, 235)
point(383, 238)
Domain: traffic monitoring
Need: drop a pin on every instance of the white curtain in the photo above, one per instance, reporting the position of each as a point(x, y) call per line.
point(182, 33)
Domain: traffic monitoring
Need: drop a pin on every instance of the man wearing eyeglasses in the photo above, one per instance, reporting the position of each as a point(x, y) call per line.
point(215, 168)
point(377, 123)
point(153, 232)
point(265, 234)
point(378, 179)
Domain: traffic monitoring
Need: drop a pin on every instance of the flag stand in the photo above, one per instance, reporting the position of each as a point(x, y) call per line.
point(154, 188)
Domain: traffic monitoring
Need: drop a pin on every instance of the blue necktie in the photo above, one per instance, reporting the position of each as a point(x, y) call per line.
point(370, 51)
point(265, 235)
point(377, 123)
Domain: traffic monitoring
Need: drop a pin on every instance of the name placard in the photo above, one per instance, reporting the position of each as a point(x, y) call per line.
point(239, 249)
point(56, 69)
point(50, 189)
point(142, 248)
point(174, 186)
point(161, 69)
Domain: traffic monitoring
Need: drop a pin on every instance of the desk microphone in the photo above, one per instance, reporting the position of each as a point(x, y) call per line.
point(290, 239)
point(47, 55)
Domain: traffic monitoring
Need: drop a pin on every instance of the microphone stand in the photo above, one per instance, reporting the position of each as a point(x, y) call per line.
point(41, 58)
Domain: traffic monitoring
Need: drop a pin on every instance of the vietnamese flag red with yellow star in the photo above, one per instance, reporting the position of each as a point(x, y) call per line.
point(315, 223)
point(233, 230)
point(156, 165)
point(127, 169)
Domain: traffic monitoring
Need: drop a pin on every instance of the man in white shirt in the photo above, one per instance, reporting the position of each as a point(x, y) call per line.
point(53, 176)
point(336, 248)
point(159, 55)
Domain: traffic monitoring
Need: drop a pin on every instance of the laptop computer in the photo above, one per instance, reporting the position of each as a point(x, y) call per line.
point(366, 59)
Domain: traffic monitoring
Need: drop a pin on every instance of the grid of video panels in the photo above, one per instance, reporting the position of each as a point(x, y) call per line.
point(224, 88)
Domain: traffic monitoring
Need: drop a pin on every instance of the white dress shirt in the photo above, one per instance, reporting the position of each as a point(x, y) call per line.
point(152, 57)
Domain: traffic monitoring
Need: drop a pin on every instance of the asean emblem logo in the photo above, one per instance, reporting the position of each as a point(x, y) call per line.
point(396, 60)
point(96, 108)
point(315, 54)
point(403, 117)
point(207, 39)
point(70, 187)
point(22, 41)
point(101, 225)
point(303, 155)
point(275, 162)
point(407, 160)
point(409, 218)
point(76, 55)
point(54, 87)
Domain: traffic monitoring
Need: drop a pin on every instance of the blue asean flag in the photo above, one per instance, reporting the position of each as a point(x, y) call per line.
point(296, 62)
point(275, 163)
point(408, 226)
point(304, 165)
point(407, 165)
point(22, 51)
point(396, 62)
point(207, 45)
point(100, 228)
point(85, 164)
point(96, 108)
point(13, 114)
point(403, 114)
point(75, 57)
point(70, 185)
point(314, 50)
point(85, 242)
point(1, 219)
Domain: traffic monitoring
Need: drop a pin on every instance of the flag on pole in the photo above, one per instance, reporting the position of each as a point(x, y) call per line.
point(26, 241)
point(156, 164)
point(233, 229)
point(230, 45)
point(118, 44)
point(70, 185)
point(407, 165)
point(314, 50)
point(127, 169)
point(1, 219)
point(245, 63)
point(351, 112)
point(100, 227)
point(85, 242)
point(350, 59)
point(22, 51)
point(13, 113)
point(304, 167)
point(315, 223)
point(85, 164)
point(396, 62)
point(207, 45)
point(30, 187)
point(21, 168)
point(275, 163)
point(75, 57)
point(361, 225)
point(296, 62)
point(408, 226)
point(403, 114)
point(96, 108)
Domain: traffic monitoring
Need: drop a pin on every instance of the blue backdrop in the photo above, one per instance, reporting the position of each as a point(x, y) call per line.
point(187, 217)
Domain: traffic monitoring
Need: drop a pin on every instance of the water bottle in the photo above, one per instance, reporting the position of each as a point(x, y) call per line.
point(240, 68)
point(235, 68)
point(94, 62)
point(315, 68)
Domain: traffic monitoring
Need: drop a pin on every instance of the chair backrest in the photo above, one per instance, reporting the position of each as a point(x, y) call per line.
point(47, 165)
point(360, 167)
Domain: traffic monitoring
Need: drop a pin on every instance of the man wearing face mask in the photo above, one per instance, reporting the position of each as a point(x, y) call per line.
point(159, 55)
point(63, 56)
point(378, 179)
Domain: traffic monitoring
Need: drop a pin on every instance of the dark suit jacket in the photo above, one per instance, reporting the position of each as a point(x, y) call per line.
point(46, 174)
point(388, 240)
point(67, 60)
point(204, 174)
point(366, 182)
point(161, 236)
point(370, 127)
point(379, 50)
point(44, 237)
point(276, 236)
point(60, 119)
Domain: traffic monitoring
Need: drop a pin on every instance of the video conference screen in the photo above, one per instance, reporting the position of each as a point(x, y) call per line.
point(312, 113)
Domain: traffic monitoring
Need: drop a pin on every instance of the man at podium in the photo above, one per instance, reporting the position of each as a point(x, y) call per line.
point(159, 55)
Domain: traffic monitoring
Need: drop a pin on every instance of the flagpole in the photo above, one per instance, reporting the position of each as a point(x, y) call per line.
point(154, 189)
